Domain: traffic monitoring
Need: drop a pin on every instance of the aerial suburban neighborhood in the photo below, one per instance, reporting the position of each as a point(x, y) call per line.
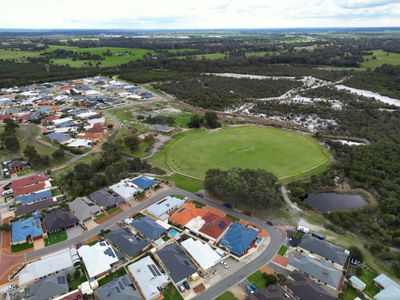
point(178, 150)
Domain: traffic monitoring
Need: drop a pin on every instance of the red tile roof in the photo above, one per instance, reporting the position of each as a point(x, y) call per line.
point(33, 179)
point(5, 117)
point(215, 225)
point(24, 190)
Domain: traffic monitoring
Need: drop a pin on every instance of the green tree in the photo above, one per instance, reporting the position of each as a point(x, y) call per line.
point(10, 142)
point(195, 122)
point(132, 142)
point(211, 119)
point(59, 154)
point(10, 126)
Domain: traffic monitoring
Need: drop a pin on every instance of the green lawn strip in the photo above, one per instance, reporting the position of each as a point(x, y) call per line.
point(182, 120)
point(120, 272)
point(232, 218)
point(171, 293)
point(226, 296)
point(21, 247)
point(56, 237)
point(186, 183)
point(367, 277)
point(282, 250)
point(99, 217)
point(350, 293)
point(262, 280)
point(113, 210)
point(75, 282)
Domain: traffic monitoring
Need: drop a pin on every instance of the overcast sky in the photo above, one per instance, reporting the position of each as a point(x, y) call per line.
point(188, 14)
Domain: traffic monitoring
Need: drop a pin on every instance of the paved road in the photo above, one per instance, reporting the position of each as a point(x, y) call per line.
point(223, 285)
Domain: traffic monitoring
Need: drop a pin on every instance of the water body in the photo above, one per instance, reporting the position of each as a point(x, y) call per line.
point(328, 202)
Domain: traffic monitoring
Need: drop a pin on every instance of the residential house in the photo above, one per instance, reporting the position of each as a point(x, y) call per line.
point(33, 197)
point(149, 278)
point(120, 288)
point(35, 206)
point(148, 228)
point(390, 290)
point(321, 249)
point(161, 128)
point(84, 209)
point(48, 287)
point(166, 206)
point(125, 189)
point(98, 258)
point(202, 253)
point(322, 271)
point(303, 287)
point(106, 198)
point(59, 219)
point(357, 283)
point(176, 261)
point(26, 230)
point(238, 239)
point(144, 182)
point(126, 242)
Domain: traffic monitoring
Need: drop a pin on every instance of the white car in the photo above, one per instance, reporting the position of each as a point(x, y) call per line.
point(226, 266)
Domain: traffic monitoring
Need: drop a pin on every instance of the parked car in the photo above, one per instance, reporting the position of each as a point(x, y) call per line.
point(198, 194)
point(227, 205)
point(248, 213)
point(226, 266)
point(186, 285)
point(254, 288)
point(270, 223)
point(249, 289)
point(181, 288)
point(355, 262)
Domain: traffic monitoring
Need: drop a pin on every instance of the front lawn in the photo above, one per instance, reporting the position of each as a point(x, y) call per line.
point(114, 211)
point(282, 250)
point(54, 238)
point(367, 277)
point(232, 218)
point(111, 276)
point(171, 293)
point(76, 281)
point(262, 280)
point(21, 247)
point(226, 296)
point(99, 217)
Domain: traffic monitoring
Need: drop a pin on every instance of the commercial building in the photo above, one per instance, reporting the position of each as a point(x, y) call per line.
point(148, 277)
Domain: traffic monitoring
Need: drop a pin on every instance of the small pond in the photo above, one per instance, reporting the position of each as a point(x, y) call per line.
point(328, 202)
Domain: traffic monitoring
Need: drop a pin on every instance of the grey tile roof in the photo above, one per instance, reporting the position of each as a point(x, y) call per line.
point(149, 228)
point(177, 262)
point(276, 292)
point(106, 198)
point(83, 208)
point(127, 242)
point(322, 270)
point(304, 287)
point(324, 249)
point(118, 289)
point(30, 208)
point(59, 219)
point(48, 287)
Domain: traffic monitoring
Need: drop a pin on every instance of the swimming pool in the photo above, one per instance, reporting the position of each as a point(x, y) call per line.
point(172, 233)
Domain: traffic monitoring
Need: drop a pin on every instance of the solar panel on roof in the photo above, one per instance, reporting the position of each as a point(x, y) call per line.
point(156, 270)
point(151, 270)
point(222, 225)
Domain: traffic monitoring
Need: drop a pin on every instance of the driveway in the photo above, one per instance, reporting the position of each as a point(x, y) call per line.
point(74, 232)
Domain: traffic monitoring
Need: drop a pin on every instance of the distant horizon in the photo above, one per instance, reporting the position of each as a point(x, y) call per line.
point(202, 15)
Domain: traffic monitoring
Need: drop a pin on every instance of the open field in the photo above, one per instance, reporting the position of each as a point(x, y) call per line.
point(382, 57)
point(132, 54)
point(286, 154)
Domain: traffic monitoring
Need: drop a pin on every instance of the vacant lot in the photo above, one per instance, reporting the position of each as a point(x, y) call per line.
point(284, 153)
